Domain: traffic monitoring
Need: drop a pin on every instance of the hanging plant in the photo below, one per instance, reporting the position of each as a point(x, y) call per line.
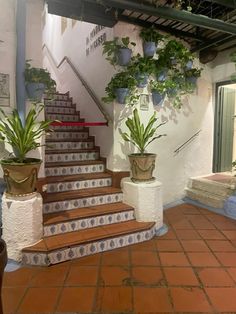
point(176, 53)
point(151, 38)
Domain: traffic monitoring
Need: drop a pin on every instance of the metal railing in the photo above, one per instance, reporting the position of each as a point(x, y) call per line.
point(82, 80)
point(186, 143)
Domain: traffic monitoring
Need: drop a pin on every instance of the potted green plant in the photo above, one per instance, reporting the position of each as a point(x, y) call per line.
point(38, 81)
point(175, 52)
point(121, 88)
point(142, 163)
point(20, 172)
point(158, 89)
point(151, 37)
point(118, 50)
point(141, 68)
point(191, 75)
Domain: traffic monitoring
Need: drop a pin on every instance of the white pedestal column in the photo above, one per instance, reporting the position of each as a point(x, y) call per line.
point(146, 198)
point(21, 222)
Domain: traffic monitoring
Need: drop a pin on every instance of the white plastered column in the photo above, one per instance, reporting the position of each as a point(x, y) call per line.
point(21, 222)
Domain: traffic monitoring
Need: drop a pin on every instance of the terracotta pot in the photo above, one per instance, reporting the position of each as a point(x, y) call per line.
point(142, 166)
point(20, 178)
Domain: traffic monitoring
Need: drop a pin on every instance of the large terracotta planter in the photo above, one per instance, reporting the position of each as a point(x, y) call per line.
point(20, 178)
point(142, 166)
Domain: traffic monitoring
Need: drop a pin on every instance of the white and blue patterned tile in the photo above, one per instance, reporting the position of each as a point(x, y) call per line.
point(67, 170)
point(35, 259)
point(63, 117)
point(67, 135)
point(72, 156)
point(69, 145)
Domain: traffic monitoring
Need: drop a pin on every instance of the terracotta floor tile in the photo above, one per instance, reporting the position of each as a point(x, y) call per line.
point(223, 299)
point(226, 258)
point(114, 299)
point(225, 225)
point(116, 257)
point(230, 234)
point(39, 300)
point(20, 277)
point(144, 258)
point(169, 235)
point(90, 260)
point(82, 276)
point(181, 276)
point(187, 234)
point(200, 222)
point(202, 259)
point(220, 246)
point(151, 300)
point(114, 276)
point(147, 276)
point(11, 298)
point(168, 245)
point(195, 246)
point(144, 246)
point(51, 276)
point(173, 259)
point(232, 272)
point(215, 277)
point(74, 299)
point(211, 234)
point(181, 224)
point(190, 300)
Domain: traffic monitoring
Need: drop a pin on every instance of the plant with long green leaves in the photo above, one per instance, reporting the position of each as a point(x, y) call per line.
point(23, 137)
point(141, 136)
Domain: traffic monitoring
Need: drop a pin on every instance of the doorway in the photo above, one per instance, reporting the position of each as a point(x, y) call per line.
point(225, 127)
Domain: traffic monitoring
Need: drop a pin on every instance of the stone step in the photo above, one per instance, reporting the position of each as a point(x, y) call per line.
point(67, 135)
point(64, 117)
point(206, 198)
point(78, 182)
point(76, 155)
point(60, 110)
point(213, 187)
point(56, 202)
point(72, 168)
point(69, 145)
point(68, 246)
point(85, 218)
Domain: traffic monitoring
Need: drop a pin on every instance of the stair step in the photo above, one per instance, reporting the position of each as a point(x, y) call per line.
point(64, 117)
point(59, 103)
point(206, 198)
point(79, 155)
point(72, 168)
point(57, 202)
point(213, 187)
point(72, 144)
point(67, 135)
point(78, 182)
point(68, 246)
point(60, 110)
point(85, 218)
point(67, 128)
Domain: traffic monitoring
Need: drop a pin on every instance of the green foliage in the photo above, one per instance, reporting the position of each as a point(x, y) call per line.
point(163, 87)
point(151, 34)
point(140, 64)
point(176, 50)
point(37, 75)
point(23, 138)
point(195, 72)
point(122, 80)
point(139, 136)
point(112, 47)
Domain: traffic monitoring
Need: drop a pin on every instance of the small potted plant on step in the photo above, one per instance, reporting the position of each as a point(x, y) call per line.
point(118, 51)
point(151, 39)
point(38, 81)
point(20, 172)
point(142, 164)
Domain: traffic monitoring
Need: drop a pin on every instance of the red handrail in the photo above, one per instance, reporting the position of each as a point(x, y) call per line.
point(79, 123)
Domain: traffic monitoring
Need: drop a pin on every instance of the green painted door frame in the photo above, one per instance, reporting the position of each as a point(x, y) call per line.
point(223, 127)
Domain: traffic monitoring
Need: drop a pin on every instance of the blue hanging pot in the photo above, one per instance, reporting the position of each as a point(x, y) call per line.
point(149, 48)
point(162, 76)
point(173, 61)
point(172, 92)
point(121, 94)
point(157, 98)
point(124, 56)
point(189, 65)
point(192, 80)
point(142, 79)
point(35, 91)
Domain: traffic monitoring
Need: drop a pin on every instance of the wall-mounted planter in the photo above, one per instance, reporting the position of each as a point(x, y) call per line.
point(35, 91)
point(157, 98)
point(192, 80)
point(121, 94)
point(172, 92)
point(142, 79)
point(124, 56)
point(149, 48)
point(173, 61)
point(189, 65)
point(162, 76)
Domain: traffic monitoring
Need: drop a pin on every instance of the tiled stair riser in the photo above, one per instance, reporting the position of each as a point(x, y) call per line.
point(67, 135)
point(63, 117)
point(69, 170)
point(77, 251)
point(71, 157)
point(67, 128)
point(68, 145)
point(211, 187)
point(53, 207)
point(59, 103)
point(86, 223)
point(60, 110)
point(76, 185)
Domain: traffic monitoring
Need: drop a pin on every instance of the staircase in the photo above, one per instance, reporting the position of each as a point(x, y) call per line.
point(83, 213)
point(212, 190)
